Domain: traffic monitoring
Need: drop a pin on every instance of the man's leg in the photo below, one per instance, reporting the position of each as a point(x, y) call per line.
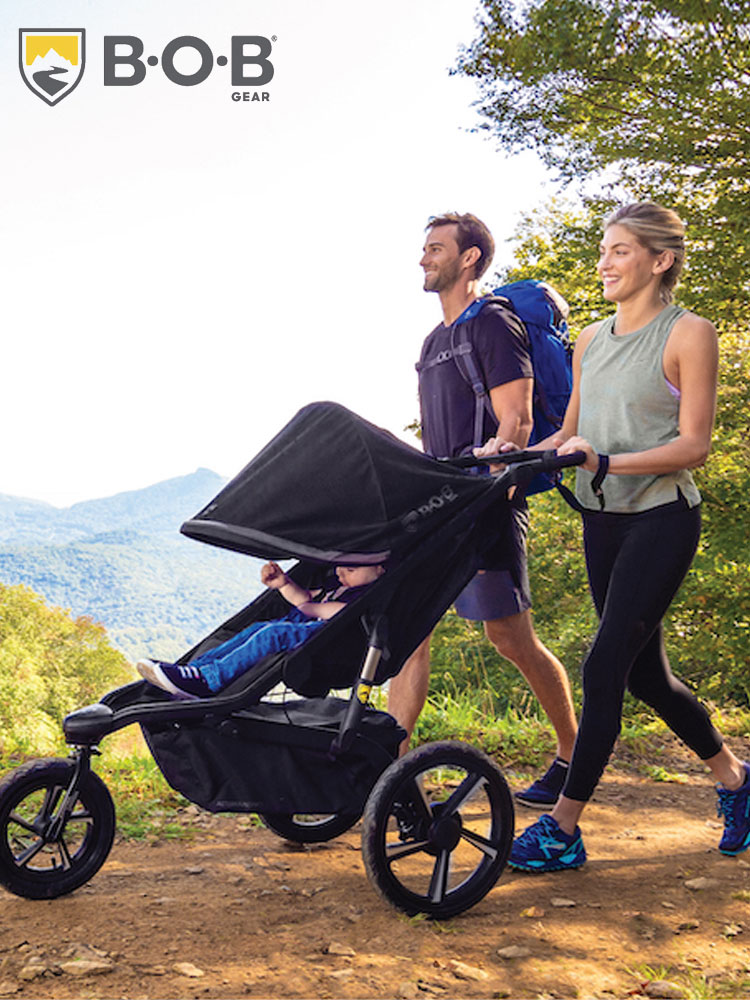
point(407, 691)
point(515, 639)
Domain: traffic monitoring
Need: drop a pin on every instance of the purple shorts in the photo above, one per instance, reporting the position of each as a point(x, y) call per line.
point(502, 589)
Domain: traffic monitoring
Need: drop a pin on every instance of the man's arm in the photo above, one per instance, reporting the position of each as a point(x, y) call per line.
point(512, 403)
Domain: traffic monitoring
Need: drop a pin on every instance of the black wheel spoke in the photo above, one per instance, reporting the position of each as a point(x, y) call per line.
point(31, 852)
point(25, 824)
point(482, 843)
point(459, 798)
point(78, 816)
point(51, 798)
point(402, 850)
point(439, 881)
point(64, 853)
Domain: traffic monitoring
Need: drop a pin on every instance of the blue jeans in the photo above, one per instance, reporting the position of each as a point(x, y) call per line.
point(221, 665)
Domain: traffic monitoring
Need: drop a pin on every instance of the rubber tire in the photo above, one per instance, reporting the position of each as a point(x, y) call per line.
point(286, 826)
point(94, 806)
point(392, 787)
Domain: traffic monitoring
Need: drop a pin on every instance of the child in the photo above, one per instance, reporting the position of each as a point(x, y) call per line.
point(214, 670)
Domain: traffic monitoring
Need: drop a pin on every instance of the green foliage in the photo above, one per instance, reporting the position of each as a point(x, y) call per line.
point(512, 737)
point(648, 99)
point(50, 663)
point(146, 806)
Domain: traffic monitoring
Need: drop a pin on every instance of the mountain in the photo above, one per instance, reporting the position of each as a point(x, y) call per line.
point(122, 561)
point(162, 507)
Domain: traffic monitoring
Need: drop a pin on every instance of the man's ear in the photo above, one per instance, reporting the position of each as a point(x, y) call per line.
point(471, 256)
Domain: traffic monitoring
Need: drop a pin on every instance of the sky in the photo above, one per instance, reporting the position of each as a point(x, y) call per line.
point(182, 272)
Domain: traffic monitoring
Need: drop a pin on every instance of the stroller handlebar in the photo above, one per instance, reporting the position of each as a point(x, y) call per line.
point(540, 461)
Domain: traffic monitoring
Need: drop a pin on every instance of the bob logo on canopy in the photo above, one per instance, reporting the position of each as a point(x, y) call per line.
point(435, 503)
point(51, 61)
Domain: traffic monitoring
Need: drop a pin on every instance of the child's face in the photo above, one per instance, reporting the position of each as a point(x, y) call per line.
point(358, 576)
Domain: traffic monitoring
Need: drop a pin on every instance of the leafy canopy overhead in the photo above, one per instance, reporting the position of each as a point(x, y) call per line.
point(592, 82)
point(651, 97)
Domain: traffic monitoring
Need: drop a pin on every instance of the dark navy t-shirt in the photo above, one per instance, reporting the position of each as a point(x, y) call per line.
point(501, 352)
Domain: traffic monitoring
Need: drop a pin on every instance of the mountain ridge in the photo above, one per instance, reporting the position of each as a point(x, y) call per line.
point(122, 561)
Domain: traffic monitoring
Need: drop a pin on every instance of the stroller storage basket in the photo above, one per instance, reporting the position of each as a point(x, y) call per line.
point(275, 758)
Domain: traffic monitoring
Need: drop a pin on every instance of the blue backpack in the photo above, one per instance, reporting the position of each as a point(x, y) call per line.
point(543, 313)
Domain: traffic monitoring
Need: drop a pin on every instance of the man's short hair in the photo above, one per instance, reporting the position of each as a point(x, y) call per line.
point(470, 232)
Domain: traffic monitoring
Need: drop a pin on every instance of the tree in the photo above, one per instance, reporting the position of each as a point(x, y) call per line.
point(649, 95)
point(50, 663)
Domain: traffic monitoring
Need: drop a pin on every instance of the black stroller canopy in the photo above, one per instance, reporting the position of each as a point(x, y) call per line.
point(333, 488)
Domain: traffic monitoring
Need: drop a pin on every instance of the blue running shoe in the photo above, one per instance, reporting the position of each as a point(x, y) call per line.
point(735, 808)
point(545, 791)
point(544, 847)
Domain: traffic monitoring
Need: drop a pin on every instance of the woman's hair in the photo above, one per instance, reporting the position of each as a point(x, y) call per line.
point(658, 229)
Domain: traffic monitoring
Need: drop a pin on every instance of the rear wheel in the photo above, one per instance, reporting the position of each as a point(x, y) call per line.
point(309, 828)
point(49, 847)
point(438, 829)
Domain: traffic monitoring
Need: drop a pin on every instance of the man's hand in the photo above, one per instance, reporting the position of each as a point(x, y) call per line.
point(495, 446)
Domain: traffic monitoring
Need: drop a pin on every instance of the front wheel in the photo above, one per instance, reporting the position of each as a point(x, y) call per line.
point(438, 829)
point(52, 842)
point(309, 828)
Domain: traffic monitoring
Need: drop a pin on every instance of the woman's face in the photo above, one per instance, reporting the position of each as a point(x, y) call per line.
point(626, 266)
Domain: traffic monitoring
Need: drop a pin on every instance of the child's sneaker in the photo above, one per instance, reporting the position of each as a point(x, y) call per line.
point(545, 791)
point(735, 807)
point(544, 847)
point(181, 680)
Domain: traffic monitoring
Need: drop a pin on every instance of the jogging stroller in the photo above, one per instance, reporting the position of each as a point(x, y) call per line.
point(329, 489)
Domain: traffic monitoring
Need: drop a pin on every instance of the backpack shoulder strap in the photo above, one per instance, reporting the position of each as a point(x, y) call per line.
point(462, 347)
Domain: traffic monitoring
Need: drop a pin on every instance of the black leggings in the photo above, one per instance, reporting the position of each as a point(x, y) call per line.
point(635, 563)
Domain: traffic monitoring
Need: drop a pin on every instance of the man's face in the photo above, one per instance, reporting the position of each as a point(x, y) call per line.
point(441, 260)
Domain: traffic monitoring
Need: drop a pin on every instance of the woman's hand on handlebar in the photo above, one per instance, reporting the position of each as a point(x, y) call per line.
point(576, 443)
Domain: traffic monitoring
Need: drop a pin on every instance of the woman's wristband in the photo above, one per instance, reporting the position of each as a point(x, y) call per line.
point(599, 477)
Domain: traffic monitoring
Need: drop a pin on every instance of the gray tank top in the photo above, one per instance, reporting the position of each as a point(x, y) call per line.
point(626, 405)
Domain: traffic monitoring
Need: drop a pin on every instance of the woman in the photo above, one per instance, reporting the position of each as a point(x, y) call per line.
point(642, 409)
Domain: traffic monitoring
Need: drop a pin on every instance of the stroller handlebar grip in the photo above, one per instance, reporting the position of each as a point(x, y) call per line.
point(543, 461)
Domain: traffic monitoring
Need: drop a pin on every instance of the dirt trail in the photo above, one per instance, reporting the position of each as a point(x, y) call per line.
point(257, 917)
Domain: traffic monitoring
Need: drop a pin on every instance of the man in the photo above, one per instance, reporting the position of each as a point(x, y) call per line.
point(457, 252)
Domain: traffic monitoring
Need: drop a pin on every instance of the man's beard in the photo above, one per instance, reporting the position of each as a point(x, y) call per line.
point(445, 278)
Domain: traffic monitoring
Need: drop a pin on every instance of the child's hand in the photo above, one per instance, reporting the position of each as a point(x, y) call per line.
point(273, 576)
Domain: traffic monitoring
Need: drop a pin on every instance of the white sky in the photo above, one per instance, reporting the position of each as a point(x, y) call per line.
point(181, 273)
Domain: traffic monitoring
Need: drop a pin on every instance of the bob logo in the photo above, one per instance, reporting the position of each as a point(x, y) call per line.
point(51, 61)
point(435, 503)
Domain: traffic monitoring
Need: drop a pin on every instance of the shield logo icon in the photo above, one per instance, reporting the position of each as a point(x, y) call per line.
point(51, 61)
